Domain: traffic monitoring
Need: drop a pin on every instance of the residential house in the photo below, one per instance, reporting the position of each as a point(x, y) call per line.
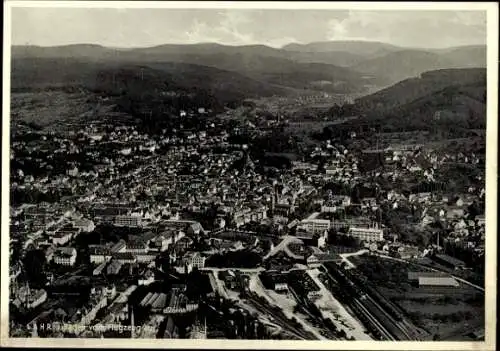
point(61, 237)
point(184, 243)
point(49, 253)
point(480, 220)
point(120, 246)
point(162, 242)
point(85, 225)
point(114, 267)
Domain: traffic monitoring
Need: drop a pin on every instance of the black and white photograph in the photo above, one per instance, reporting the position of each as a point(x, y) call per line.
point(249, 172)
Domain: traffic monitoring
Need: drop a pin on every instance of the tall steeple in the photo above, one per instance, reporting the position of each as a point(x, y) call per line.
point(132, 324)
point(28, 293)
point(34, 331)
point(273, 203)
point(248, 161)
point(199, 331)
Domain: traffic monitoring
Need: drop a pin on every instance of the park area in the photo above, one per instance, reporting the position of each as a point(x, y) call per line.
point(445, 312)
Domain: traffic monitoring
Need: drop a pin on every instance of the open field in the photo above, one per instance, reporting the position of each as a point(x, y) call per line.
point(441, 311)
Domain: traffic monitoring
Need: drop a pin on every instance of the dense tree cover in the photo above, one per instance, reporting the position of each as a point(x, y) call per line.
point(476, 208)
point(455, 317)
point(364, 130)
point(152, 92)
point(340, 238)
point(338, 188)
point(55, 163)
point(304, 209)
point(162, 262)
point(380, 271)
point(198, 285)
point(343, 110)
point(401, 222)
point(105, 233)
point(276, 142)
point(35, 196)
point(461, 176)
point(469, 256)
point(34, 263)
point(458, 96)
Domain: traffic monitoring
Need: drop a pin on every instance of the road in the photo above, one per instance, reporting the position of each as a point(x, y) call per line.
point(345, 257)
point(283, 246)
point(218, 284)
point(243, 270)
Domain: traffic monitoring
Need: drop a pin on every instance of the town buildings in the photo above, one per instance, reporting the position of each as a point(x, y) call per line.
point(151, 211)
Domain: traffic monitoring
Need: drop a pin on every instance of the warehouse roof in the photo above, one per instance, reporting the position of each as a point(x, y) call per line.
point(416, 275)
point(437, 281)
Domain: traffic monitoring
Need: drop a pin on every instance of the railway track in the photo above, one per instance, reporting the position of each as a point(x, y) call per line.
point(373, 320)
point(283, 323)
point(387, 325)
point(320, 321)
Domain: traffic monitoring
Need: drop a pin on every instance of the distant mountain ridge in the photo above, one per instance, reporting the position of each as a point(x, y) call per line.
point(353, 64)
point(367, 49)
point(400, 65)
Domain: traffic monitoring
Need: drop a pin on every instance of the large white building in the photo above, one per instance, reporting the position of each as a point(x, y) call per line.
point(136, 248)
point(195, 259)
point(314, 226)
point(133, 220)
point(65, 256)
point(99, 254)
point(189, 261)
point(367, 234)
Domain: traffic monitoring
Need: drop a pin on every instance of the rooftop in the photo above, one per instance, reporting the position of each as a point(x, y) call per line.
point(437, 281)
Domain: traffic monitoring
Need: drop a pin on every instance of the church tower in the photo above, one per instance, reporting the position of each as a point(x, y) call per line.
point(34, 331)
point(132, 324)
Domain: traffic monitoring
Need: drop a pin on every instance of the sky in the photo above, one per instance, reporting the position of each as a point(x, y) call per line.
point(149, 27)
